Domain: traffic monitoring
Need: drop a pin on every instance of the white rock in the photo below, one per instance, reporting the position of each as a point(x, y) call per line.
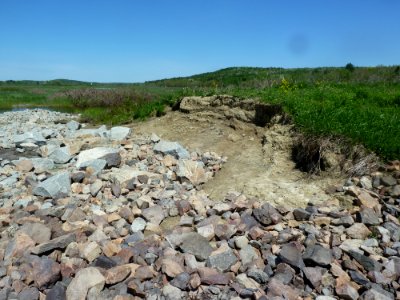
point(86, 156)
point(85, 280)
point(73, 125)
point(119, 133)
point(138, 225)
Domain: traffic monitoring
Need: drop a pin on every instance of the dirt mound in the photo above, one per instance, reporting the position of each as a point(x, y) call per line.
point(260, 160)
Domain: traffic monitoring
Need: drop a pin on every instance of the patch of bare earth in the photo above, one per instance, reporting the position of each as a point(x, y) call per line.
point(259, 160)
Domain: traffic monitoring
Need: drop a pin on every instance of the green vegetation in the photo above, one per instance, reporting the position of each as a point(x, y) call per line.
point(362, 104)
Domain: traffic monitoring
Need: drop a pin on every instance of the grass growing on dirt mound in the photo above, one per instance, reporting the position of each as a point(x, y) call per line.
point(362, 104)
point(367, 114)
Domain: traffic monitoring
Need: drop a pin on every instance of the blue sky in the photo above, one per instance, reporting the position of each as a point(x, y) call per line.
point(134, 41)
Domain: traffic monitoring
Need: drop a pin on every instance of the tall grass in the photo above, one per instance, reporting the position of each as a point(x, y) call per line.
point(367, 114)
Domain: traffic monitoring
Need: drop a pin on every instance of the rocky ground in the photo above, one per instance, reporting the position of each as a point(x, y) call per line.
point(109, 214)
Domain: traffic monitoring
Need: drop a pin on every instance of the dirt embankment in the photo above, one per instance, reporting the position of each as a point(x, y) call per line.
point(258, 142)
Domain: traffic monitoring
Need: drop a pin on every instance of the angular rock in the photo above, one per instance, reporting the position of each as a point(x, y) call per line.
point(171, 148)
point(85, 280)
point(24, 165)
point(347, 292)
point(291, 254)
point(181, 281)
point(388, 180)
point(258, 275)
point(45, 271)
point(153, 214)
point(351, 245)
point(192, 171)
point(144, 273)
point(38, 232)
point(60, 155)
point(42, 165)
point(395, 191)
point(368, 263)
point(267, 214)
point(90, 251)
point(86, 156)
point(171, 267)
point(241, 242)
point(57, 243)
point(368, 216)
point(222, 261)
point(300, 214)
point(96, 166)
point(247, 255)
point(213, 277)
point(365, 199)
point(346, 221)
point(95, 187)
point(377, 294)
point(358, 231)
point(119, 133)
point(57, 186)
point(314, 275)
point(30, 293)
point(318, 255)
point(117, 274)
point(57, 292)
point(247, 282)
point(278, 289)
point(125, 174)
point(104, 262)
point(197, 245)
point(172, 293)
point(29, 137)
point(20, 244)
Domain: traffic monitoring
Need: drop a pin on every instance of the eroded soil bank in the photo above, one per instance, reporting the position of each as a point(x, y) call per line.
point(259, 158)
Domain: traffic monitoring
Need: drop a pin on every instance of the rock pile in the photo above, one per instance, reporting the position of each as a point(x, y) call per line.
point(124, 217)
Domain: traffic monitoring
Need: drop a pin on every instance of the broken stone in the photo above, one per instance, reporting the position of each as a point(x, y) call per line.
point(57, 186)
point(291, 254)
point(267, 215)
point(358, 231)
point(171, 148)
point(85, 280)
point(197, 245)
point(56, 243)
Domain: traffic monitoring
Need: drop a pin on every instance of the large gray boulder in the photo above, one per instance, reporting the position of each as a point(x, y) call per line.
point(87, 156)
point(171, 148)
point(57, 186)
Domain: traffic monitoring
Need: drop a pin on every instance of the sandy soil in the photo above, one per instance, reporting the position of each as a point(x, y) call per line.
point(259, 161)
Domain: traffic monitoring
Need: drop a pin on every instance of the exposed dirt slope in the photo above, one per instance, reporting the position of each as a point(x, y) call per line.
point(259, 158)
